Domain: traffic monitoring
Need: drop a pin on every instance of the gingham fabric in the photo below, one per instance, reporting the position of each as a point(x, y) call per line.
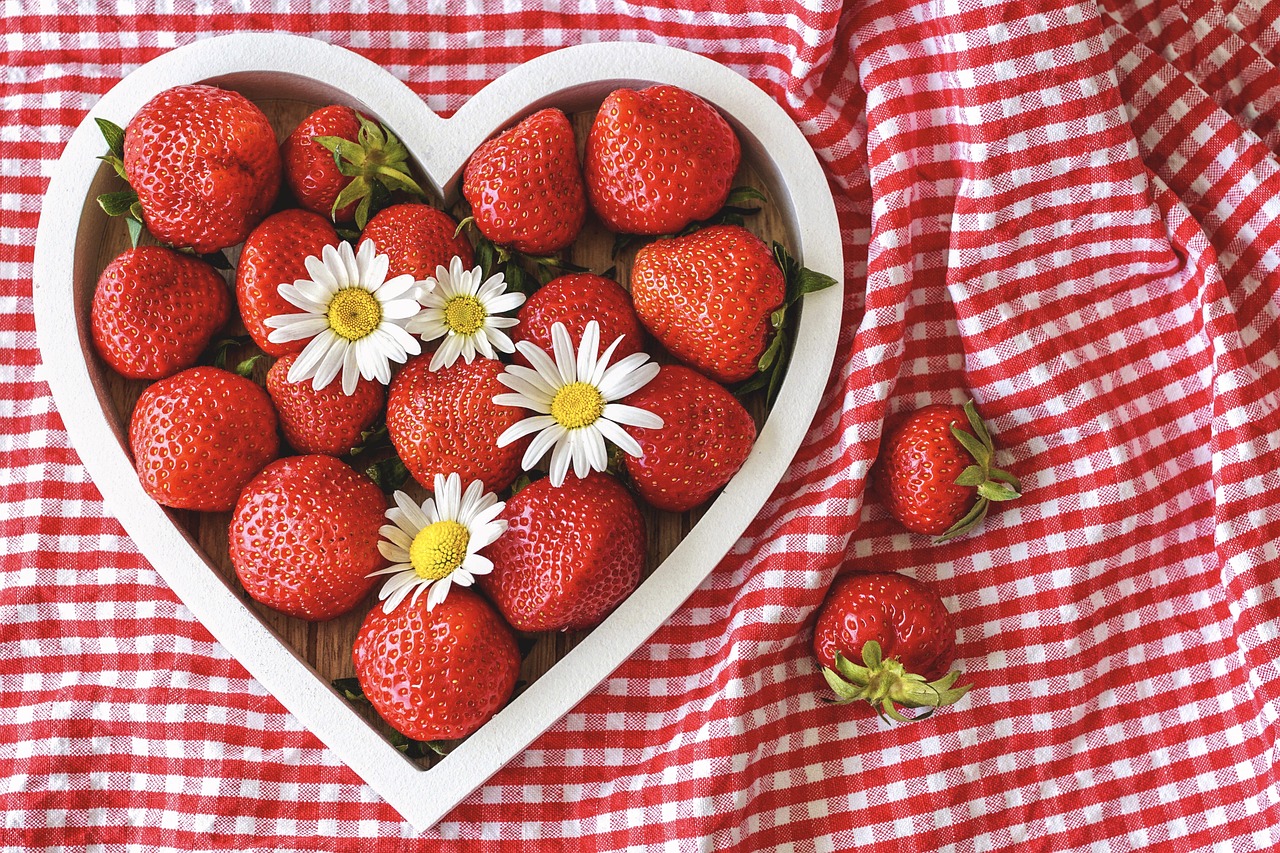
point(1067, 211)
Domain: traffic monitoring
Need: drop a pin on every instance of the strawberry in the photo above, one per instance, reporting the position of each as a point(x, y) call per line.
point(437, 674)
point(304, 537)
point(198, 436)
point(445, 421)
point(325, 421)
point(334, 159)
point(705, 437)
point(155, 310)
point(276, 254)
point(936, 478)
point(901, 631)
point(525, 186)
point(576, 300)
point(658, 159)
point(205, 166)
point(570, 554)
point(417, 238)
point(707, 297)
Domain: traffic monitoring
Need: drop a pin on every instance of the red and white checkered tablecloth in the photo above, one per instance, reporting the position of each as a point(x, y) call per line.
point(1069, 210)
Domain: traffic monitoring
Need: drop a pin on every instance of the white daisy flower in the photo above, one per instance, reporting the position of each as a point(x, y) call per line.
point(576, 401)
point(435, 545)
point(460, 308)
point(354, 317)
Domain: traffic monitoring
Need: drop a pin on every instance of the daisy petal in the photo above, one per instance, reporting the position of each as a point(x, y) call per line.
point(520, 429)
point(620, 437)
point(552, 436)
point(304, 326)
point(631, 416)
point(602, 365)
point(542, 363)
point(304, 367)
point(588, 347)
point(560, 458)
point(616, 384)
point(562, 347)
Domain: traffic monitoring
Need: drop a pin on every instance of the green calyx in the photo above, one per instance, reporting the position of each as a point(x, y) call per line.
point(378, 163)
point(992, 483)
point(124, 202)
point(887, 685)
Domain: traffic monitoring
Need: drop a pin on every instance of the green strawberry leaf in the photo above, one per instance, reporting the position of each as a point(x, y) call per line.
point(416, 748)
point(388, 474)
point(117, 164)
point(463, 224)
point(114, 135)
point(249, 366)
point(979, 451)
point(135, 231)
point(626, 242)
point(739, 196)
point(811, 282)
point(974, 475)
point(117, 203)
point(373, 439)
point(216, 354)
point(350, 689)
point(994, 491)
point(217, 260)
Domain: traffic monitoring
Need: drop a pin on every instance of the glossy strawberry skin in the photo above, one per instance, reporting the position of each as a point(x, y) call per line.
point(309, 168)
point(276, 254)
point(205, 165)
point(576, 300)
point(917, 469)
point(199, 436)
point(304, 535)
point(445, 421)
point(325, 421)
point(417, 238)
point(658, 159)
point(525, 185)
point(705, 437)
point(707, 298)
point(155, 310)
point(437, 674)
point(570, 555)
point(906, 617)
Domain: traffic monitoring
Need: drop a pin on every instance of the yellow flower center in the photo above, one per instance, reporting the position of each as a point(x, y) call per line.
point(354, 313)
point(464, 315)
point(577, 404)
point(438, 549)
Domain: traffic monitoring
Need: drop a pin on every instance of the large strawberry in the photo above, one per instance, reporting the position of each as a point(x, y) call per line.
point(325, 421)
point(705, 437)
point(417, 238)
point(437, 674)
point(576, 300)
point(708, 296)
point(938, 479)
point(570, 554)
point(276, 254)
point(304, 537)
point(205, 165)
point(155, 310)
point(658, 159)
point(445, 421)
point(903, 634)
point(525, 186)
point(198, 436)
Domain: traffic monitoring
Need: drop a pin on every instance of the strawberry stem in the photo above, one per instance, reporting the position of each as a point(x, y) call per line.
point(887, 685)
point(377, 163)
point(992, 484)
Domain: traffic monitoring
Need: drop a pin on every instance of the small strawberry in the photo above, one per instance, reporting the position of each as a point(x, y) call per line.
point(324, 421)
point(570, 554)
point(304, 537)
point(336, 160)
point(445, 421)
point(576, 300)
point(276, 254)
point(705, 437)
point(658, 159)
point(198, 436)
point(417, 238)
point(525, 186)
point(155, 310)
point(936, 478)
point(437, 674)
point(707, 297)
point(901, 631)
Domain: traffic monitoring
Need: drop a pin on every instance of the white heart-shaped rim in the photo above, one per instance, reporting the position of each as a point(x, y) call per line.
point(276, 65)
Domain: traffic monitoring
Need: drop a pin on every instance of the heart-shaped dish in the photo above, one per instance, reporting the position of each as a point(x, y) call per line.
point(75, 241)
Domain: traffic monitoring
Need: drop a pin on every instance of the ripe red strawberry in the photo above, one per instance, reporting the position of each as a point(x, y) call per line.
point(525, 186)
point(437, 674)
point(205, 166)
point(276, 254)
point(369, 154)
point(305, 535)
point(902, 632)
point(155, 310)
point(658, 159)
point(325, 421)
point(576, 300)
point(707, 298)
point(570, 554)
point(936, 478)
point(705, 437)
point(445, 421)
point(417, 238)
point(198, 436)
